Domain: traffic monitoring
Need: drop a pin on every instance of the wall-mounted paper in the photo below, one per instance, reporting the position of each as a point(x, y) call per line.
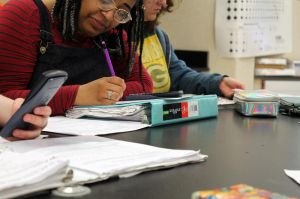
point(253, 28)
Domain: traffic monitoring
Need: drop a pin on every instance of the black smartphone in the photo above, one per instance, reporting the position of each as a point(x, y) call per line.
point(147, 96)
point(40, 95)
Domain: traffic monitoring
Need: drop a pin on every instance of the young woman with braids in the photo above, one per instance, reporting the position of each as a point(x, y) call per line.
point(38, 35)
point(167, 71)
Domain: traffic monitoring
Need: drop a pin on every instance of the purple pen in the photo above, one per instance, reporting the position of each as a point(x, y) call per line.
point(108, 60)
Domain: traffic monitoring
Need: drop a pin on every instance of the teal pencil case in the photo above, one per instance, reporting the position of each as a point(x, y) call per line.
point(256, 103)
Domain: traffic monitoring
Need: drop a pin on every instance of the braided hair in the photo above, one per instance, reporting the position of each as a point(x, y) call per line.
point(135, 30)
point(66, 12)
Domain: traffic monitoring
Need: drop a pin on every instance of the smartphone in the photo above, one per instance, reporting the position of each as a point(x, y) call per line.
point(40, 95)
point(147, 96)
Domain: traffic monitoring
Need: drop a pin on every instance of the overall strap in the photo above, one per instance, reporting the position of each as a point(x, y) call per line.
point(45, 26)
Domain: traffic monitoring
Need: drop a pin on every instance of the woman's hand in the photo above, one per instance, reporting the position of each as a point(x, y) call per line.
point(103, 91)
point(38, 120)
point(228, 85)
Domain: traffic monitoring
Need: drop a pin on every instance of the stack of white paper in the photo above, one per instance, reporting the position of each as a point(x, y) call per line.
point(25, 173)
point(95, 158)
point(71, 126)
point(130, 112)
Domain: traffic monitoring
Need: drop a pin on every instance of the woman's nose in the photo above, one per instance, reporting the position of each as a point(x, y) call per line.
point(109, 15)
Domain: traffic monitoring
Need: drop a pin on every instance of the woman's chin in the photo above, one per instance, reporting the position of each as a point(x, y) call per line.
point(151, 18)
point(92, 33)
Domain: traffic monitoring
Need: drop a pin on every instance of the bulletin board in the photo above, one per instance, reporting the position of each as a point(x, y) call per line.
point(249, 28)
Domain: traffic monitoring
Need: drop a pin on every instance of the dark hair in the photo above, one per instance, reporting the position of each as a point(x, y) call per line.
point(150, 25)
point(135, 31)
point(66, 13)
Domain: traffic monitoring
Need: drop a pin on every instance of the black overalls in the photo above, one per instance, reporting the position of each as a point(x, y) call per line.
point(83, 65)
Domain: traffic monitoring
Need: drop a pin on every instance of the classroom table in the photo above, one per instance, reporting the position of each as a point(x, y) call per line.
point(240, 149)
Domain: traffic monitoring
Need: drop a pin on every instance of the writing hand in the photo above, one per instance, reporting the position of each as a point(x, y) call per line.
point(103, 91)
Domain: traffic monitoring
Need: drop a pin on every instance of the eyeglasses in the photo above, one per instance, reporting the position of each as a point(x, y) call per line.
point(121, 15)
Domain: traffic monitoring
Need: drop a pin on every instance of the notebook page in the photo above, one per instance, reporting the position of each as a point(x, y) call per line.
point(2, 140)
point(224, 101)
point(294, 174)
point(19, 170)
point(111, 157)
point(90, 126)
point(52, 181)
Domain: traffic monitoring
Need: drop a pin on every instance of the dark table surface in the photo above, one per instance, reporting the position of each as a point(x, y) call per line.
point(253, 151)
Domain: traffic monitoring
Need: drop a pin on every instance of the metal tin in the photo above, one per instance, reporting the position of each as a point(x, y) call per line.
point(257, 108)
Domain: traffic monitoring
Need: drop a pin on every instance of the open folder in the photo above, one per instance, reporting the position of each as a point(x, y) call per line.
point(154, 112)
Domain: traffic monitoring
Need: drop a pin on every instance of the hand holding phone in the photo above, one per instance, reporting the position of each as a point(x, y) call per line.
point(40, 95)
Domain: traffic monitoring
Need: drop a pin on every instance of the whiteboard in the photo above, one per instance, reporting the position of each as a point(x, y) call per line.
point(248, 28)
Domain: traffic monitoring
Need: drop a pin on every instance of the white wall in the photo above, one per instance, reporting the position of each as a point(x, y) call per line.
point(295, 55)
point(191, 27)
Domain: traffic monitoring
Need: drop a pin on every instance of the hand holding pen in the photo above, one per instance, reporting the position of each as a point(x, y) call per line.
point(102, 91)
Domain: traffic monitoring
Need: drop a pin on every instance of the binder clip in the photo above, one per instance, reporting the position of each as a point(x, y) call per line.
point(71, 190)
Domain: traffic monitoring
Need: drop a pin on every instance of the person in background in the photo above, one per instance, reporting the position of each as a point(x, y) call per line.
point(38, 119)
point(70, 35)
point(167, 71)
